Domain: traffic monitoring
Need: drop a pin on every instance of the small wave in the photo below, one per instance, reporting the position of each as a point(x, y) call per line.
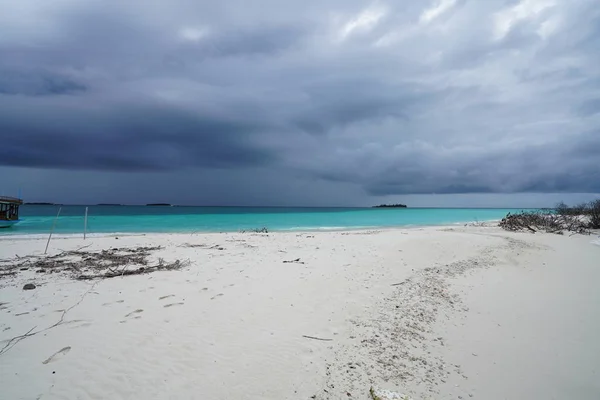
point(30, 236)
point(597, 241)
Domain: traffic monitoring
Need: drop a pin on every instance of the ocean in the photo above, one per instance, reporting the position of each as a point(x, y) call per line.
point(38, 219)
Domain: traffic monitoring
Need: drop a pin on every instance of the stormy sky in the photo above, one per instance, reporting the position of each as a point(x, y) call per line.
point(343, 102)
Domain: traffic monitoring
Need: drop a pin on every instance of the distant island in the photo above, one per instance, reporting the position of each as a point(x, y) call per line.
point(391, 206)
point(159, 204)
point(41, 204)
point(108, 204)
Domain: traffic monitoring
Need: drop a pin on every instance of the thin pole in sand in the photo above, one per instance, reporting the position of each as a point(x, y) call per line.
point(85, 223)
point(52, 230)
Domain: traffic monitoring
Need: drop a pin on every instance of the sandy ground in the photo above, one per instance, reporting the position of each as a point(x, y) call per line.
point(435, 313)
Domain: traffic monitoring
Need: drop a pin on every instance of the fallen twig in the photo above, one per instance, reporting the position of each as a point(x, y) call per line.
point(316, 338)
point(297, 261)
point(17, 339)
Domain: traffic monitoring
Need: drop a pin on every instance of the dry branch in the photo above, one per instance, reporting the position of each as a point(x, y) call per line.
point(86, 265)
point(297, 261)
point(317, 338)
point(546, 221)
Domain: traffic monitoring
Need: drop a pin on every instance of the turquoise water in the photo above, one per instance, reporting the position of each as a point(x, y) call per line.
point(135, 219)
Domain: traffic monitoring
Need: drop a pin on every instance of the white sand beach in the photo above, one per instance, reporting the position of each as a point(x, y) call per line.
point(434, 313)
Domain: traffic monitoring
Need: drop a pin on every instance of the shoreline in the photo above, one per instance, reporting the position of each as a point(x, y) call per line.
point(292, 315)
point(283, 220)
point(26, 236)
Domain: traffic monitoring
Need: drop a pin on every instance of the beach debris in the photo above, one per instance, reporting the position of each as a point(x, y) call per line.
point(317, 338)
point(203, 246)
point(381, 394)
point(29, 286)
point(256, 230)
point(194, 245)
point(296, 261)
point(547, 221)
point(87, 265)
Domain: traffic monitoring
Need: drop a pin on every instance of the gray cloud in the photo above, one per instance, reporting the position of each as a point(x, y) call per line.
point(138, 137)
point(387, 98)
point(38, 83)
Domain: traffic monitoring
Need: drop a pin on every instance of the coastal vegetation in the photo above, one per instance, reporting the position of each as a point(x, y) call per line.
point(563, 218)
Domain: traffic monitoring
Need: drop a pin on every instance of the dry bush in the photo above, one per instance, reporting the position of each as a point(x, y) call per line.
point(590, 211)
point(594, 214)
point(548, 221)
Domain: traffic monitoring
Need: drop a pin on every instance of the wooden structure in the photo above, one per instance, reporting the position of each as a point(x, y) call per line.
point(9, 211)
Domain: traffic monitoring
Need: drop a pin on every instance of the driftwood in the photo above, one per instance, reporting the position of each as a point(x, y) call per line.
point(545, 221)
point(86, 265)
point(296, 261)
point(161, 266)
point(317, 338)
point(203, 246)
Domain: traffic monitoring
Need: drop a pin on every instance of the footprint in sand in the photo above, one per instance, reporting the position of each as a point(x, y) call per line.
point(139, 310)
point(58, 355)
point(113, 302)
point(23, 313)
point(166, 297)
point(215, 296)
point(173, 304)
point(80, 323)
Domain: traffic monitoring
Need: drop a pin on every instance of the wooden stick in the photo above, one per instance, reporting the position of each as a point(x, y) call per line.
point(316, 338)
point(52, 230)
point(85, 223)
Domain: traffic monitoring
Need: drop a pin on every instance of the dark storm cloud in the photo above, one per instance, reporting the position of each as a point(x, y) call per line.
point(446, 96)
point(256, 41)
point(133, 137)
point(38, 83)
